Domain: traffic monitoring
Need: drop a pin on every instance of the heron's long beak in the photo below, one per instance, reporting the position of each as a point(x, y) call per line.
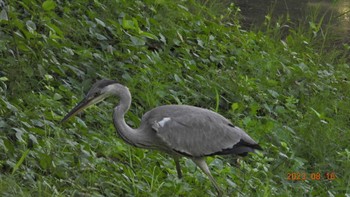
point(78, 108)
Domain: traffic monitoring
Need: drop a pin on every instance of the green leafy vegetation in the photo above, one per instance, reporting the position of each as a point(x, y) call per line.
point(288, 90)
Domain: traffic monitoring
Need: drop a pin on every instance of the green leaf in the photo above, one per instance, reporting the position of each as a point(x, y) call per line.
point(48, 77)
point(9, 106)
point(4, 79)
point(217, 96)
point(316, 112)
point(49, 5)
point(33, 138)
point(101, 37)
point(183, 7)
point(149, 35)
point(3, 15)
point(284, 145)
point(31, 26)
point(2, 123)
point(273, 93)
point(98, 21)
point(177, 78)
point(234, 106)
point(2, 144)
point(136, 25)
point(45, 161)
point(55, 31)
point(162, 38)
point(20, 161)
point(137, 41)
point(200, 43)
point(19, 133)
point(57, 97)
point(128, 24)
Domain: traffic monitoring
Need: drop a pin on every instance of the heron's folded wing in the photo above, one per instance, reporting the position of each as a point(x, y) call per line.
point(200, 133)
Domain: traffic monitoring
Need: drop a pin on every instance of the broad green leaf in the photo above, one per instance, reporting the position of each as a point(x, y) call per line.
point(9, 106)
point(2, 144)
point(33, 138)
point(31, 26)
point(149, 35)
point(38, 131)
point(177, 78)
point(128, 24)
point(234, 106)
point(45, 161)
point(136, 25)
point(162, 38)
point(19, 133)
point(49, 5)
point(57, 97)
point(98, 21)
point(137, 41)
point(200, 43)
point(2, 123)
point(211, 37)
point(55, 29)
point(273, 93)
point(4, 79)
point(101, 37)
point(284, 144)
point(3, 15)
point(48, 77)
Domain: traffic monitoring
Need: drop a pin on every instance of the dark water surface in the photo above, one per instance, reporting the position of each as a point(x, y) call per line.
point(336, 13)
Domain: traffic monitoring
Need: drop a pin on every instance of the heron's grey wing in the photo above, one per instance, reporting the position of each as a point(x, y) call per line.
point(199, 132)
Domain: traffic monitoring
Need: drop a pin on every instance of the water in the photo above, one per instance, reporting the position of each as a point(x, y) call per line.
point(336, 13)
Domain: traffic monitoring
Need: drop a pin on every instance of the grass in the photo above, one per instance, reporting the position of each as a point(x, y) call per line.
point(288, 90)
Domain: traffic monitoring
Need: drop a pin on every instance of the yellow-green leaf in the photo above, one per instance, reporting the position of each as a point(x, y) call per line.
point(49, 5)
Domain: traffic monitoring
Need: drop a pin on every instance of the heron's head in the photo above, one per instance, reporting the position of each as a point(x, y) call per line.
point(99, 91)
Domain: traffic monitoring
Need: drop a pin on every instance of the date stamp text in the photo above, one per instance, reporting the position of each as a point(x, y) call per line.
point(314, 176)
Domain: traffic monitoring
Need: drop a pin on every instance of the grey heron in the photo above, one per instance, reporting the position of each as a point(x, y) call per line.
point(179, 130)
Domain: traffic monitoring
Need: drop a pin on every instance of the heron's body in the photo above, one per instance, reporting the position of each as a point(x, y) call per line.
point(179, 130)
point(204, 132)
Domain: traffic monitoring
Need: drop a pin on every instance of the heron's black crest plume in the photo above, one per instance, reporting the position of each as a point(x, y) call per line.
point(100, 85)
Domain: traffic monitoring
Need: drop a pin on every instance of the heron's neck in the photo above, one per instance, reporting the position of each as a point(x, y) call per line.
point(124, 99)
point(127, 133)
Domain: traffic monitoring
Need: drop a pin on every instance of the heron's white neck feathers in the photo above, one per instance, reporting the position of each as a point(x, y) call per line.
point(128, 134)
point(122, 92)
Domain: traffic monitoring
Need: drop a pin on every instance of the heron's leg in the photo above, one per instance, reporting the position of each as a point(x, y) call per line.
point(204, 167)
point(178, 167)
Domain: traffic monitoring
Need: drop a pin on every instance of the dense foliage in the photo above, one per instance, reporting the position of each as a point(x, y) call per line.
point(291, 95)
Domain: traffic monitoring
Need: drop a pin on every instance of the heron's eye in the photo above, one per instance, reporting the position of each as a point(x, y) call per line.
point(94, 95)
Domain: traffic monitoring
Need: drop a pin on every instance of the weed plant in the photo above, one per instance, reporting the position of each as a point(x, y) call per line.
point(289, 92)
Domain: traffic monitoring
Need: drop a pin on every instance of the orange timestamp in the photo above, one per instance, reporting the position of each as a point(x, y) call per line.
point(314, 176)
